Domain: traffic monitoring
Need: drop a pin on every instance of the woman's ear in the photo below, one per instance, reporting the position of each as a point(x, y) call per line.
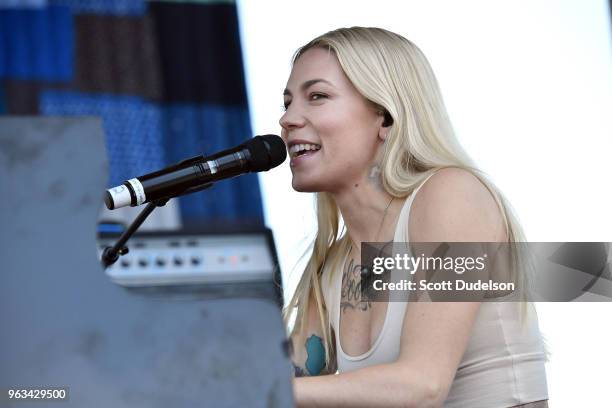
point(386, 120)
point(386, 124)
point(382, 133)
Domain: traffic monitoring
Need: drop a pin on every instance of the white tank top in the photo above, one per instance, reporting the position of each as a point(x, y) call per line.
point(503, 364)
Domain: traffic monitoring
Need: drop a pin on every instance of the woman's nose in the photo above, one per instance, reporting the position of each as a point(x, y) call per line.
point(291, 119)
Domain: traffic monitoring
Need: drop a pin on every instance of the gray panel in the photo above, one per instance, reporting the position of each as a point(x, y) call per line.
point(65, 324)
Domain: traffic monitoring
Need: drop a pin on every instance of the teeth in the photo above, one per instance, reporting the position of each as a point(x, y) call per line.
point(295, 149)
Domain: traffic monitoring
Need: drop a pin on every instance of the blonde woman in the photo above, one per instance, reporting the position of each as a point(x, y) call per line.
point(367, 130)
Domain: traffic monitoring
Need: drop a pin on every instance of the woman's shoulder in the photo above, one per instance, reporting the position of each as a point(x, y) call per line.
point(455, 205)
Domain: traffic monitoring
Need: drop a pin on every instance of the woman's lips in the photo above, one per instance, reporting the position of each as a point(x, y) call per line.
point(297, 160)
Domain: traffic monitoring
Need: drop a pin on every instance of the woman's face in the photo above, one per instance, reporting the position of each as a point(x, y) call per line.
point(326, 114)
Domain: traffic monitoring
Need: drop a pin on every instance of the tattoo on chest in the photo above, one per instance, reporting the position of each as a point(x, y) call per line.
point(351, 296)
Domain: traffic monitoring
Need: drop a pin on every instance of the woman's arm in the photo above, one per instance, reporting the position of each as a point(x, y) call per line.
point(452, 206)
point(308, 350)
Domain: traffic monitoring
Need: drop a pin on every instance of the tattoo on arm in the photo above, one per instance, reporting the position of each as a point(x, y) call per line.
point(315, 362)
point(351, 289)
point(299, 371)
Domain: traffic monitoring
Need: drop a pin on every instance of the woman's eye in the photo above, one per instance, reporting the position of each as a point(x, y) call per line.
point(317, 96)
point(285, 105)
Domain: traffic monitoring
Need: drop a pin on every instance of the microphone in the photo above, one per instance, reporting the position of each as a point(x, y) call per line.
point(260, 153)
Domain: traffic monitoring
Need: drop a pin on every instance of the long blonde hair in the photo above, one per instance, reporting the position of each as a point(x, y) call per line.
point(392, 73)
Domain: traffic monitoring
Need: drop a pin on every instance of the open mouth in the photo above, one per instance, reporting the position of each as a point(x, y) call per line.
point(303, 149)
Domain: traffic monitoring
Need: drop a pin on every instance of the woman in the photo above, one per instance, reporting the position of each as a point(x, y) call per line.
point(366, 128)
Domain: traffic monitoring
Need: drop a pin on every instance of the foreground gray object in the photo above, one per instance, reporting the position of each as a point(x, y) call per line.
point(65, 324)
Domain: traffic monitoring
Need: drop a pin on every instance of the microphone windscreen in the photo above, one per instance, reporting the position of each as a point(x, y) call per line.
point(267, 152)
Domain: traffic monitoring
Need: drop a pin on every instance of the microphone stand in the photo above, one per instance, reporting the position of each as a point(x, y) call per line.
point(110, 255)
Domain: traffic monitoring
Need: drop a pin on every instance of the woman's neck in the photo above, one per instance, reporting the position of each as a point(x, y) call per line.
point(368, 211)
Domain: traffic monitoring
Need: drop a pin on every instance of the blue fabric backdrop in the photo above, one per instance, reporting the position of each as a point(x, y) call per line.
point(165, 77)
point(37, 43)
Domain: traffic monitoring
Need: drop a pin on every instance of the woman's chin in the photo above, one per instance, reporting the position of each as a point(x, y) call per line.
point(303, 186)
point(304, 189)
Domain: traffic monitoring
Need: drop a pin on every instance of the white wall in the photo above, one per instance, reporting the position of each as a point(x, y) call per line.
point(528, 87)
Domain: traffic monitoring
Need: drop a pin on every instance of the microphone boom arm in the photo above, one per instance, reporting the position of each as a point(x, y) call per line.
point(110, 255)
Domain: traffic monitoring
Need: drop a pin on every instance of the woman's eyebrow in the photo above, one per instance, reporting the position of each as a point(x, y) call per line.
point(307, 84)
